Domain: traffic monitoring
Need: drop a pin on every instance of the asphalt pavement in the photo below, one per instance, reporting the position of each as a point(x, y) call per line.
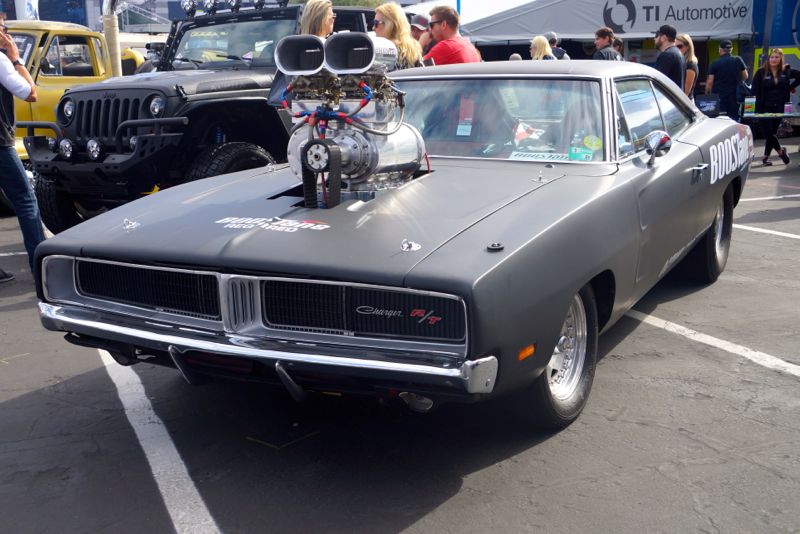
point(685, 431)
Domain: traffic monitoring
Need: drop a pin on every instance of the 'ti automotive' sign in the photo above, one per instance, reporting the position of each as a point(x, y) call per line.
point(702, 18)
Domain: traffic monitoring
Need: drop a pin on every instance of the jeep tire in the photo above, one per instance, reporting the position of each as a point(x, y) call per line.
point(56, 207)
point(227, 158)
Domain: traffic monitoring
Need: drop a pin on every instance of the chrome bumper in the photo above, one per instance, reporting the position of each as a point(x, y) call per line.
point(474, 376)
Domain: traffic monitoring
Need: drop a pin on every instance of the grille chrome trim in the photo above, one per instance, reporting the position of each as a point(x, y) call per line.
point(242, 303)
point(59, 284)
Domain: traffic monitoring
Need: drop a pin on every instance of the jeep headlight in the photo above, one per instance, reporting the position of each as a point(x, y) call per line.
point(210, 6)
point(157, 105)
point(67, 110)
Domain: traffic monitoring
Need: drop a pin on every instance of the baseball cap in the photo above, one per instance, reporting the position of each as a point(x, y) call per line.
point(420, 22)
point(726, 44)
point(551, 36)
point(667, 30)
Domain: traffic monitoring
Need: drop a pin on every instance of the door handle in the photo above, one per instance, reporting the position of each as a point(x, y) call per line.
point(700, 167)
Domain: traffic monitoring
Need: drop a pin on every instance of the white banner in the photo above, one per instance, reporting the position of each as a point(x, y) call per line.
point(631, 19)
point(27, 9)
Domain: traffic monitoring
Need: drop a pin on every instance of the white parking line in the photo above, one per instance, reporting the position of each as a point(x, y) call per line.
point(181, 498)
point(780, 197)
point(760, 358)
point(6, 254)
point(765, 231)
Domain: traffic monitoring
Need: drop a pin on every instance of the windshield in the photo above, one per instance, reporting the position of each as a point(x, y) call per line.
point(531, 120)
point(223, 45)
point(25, 44)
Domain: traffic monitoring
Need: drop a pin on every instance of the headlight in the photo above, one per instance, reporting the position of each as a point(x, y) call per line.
point(157, 105)
point(234, 5)
point(132, 142)
point(94, 149)
point(67, 110)
point(189, 7)
point(209, 6)
point(258, 4)
point(65, 148)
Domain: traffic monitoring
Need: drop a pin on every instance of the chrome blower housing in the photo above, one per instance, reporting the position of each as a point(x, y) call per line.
point(345, 114)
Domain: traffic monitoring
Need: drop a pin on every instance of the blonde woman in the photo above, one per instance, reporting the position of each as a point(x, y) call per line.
point(540, 48)
point(391, 23)
point(686, 47)
point(318, 18)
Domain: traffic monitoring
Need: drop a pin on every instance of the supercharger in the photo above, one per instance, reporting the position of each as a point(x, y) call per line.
point(348, 130)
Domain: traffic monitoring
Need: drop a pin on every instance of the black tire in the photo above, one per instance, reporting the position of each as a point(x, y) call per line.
point(56, 207)
point(227, 158)
point(708, 258)
point(5, 205)
point(560, 393)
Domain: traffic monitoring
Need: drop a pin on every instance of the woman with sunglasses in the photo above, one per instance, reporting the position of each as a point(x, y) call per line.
point(318, 18)
point(686, 47)
point(772, 86)
point(391, 23)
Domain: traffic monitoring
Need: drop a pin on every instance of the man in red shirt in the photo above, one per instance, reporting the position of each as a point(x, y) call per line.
point(450, 46)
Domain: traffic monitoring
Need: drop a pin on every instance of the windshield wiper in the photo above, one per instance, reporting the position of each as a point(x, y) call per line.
point(236, 58)
point(195, 62)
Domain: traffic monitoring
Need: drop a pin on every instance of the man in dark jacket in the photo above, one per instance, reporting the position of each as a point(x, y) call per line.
point(724, 76)
point(670, 61)
point(603, 39)
point(559, 52)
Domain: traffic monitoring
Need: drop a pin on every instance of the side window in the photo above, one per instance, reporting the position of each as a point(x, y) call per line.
point(349, 21)
point(624, 143)
point(100, 51)
point(640, 110)
point(674, 118)
point(68, 55)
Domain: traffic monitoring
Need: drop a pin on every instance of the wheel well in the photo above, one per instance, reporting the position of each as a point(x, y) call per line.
point(605, 287)
point(736, 184)
point(243, 120)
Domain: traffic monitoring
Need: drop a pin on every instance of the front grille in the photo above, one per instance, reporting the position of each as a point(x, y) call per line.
point(99, 118)
point(362, 311)
point(182, 293)
point(242, 302)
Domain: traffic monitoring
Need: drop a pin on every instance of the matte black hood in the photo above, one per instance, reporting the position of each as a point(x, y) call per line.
point(191, 81)
point(241, 222)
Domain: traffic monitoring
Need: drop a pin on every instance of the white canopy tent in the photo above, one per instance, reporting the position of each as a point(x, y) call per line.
point(516, 21)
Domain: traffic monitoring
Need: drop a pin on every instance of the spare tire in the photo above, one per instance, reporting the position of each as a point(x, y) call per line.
point(56, 207)
point(227, 158)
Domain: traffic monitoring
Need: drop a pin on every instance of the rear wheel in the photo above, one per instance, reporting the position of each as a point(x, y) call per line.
point(56, 207)
point(562, 390)
point(709, 256)
point(227, 158)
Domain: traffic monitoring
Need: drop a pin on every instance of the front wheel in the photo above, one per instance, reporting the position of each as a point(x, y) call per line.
point(708, 258)
point(562, 390)
point(56, 207)
point(227, 158)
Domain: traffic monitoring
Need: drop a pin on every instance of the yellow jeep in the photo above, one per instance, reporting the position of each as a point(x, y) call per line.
point(59, 55)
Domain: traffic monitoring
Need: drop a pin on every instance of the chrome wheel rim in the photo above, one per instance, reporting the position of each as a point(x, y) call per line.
point(566, 364)
point(719, 229)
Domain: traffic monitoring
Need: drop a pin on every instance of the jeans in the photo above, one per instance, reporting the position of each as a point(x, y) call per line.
point(14, 183)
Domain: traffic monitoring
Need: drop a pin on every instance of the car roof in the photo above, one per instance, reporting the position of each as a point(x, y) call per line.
point(587, 67)
point(44, 25)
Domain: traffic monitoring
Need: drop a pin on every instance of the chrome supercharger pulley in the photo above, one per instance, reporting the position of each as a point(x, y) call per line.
point(346, 140)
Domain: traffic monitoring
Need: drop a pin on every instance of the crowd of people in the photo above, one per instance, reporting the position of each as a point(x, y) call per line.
point(434, 39)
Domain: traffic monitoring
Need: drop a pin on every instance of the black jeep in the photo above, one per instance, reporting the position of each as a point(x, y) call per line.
point(203, 111)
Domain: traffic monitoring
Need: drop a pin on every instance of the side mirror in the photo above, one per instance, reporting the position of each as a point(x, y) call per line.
point(657, 143)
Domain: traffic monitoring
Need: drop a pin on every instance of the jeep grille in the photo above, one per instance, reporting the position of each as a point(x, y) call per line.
point(99, 118)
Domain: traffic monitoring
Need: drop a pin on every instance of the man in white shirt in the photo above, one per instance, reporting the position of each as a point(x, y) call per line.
point(15, 81)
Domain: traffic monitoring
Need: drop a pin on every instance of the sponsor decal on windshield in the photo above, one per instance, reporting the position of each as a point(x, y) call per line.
point(275, 224)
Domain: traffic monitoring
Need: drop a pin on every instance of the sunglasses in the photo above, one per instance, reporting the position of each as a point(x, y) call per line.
point(376, 23)
point(681, 45)
point(434, 23)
